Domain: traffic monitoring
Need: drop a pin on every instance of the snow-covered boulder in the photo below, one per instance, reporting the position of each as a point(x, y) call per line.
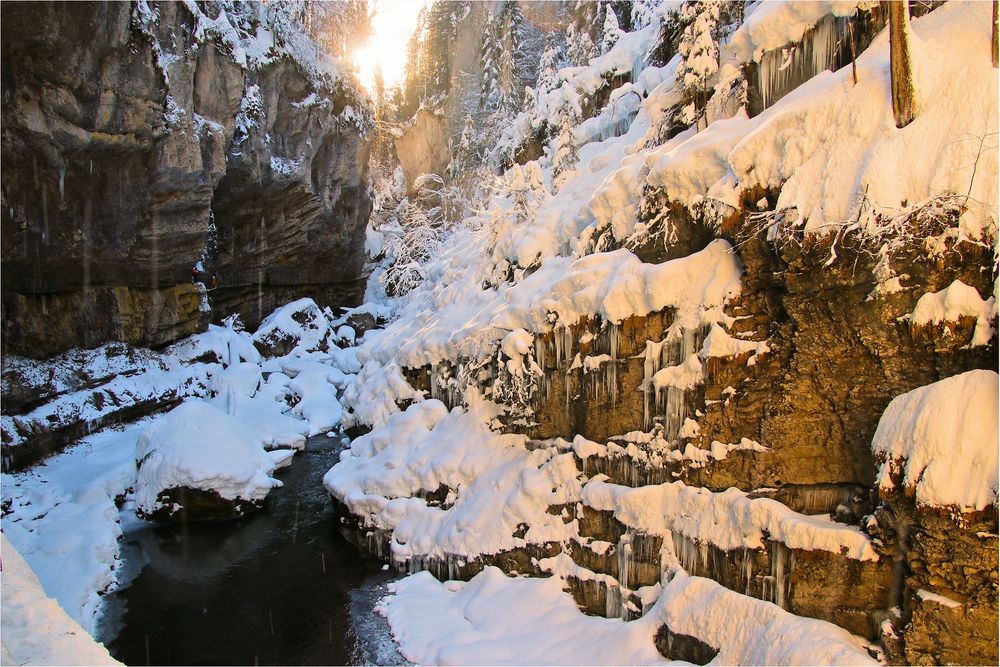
point(299, 326)
point(939, 442)
point(199, 463)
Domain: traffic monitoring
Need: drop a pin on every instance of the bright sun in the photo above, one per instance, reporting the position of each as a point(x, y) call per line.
point(392, 25)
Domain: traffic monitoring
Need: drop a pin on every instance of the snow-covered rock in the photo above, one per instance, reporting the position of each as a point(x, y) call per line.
point(940, 442)
point(201, 461)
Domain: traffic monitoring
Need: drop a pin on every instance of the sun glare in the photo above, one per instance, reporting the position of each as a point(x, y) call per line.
point(392, 25)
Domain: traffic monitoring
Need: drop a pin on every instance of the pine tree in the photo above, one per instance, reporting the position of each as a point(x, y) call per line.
point(699, 51)
point(507, 88)
point(548, 78)
point(611, 33)
point(464, 159)
point(530, 105)
point(566, 155)
point(585, 49)
point(489, 64)
point(580, 45)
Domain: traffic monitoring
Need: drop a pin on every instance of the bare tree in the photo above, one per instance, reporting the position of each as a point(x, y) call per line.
point(900, 62)
point(996, 56)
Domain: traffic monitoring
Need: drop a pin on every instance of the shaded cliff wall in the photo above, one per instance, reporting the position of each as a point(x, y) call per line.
point(134, 149)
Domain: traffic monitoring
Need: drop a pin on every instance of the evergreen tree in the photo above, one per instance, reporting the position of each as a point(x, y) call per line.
point(566, 155)
point(548, 69)
point(530, 105)
point(464, 159)
point(489, 64)
point(611, 33)
point(699, 51)
point(580, 44)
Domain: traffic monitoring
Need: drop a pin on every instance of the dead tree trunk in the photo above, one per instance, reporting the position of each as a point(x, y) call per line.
point(901, 67)
point(996, 56)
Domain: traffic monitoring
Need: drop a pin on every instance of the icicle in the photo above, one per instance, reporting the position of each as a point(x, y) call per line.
point(782, 564)
point(62, 182)
point(624, 553)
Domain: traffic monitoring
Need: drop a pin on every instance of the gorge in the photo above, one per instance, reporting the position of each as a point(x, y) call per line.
point(617, 333)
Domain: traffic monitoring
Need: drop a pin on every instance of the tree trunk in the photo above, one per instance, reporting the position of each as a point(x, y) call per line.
point(901, 68)
point(996, 59)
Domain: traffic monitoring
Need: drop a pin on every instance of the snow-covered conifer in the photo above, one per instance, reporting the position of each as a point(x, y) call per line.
point(548, 78)
point(566, 155)
point(699, 52)
point(611, 33)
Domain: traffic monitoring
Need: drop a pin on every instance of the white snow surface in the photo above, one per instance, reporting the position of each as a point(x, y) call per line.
point(35, 629)
point(63, 517)
point(954, 302)
point(499, 620)
point(496, 483)
point(775, 23)
point(728, 519)
point(198, 446)
point(941, 439)
point(64, 522)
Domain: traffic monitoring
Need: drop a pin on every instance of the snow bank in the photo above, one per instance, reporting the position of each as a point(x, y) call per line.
point(612, 285)
point(830, 143)
point(198, 446)
point(748, 631)
point(495, 484)
point(63, 518)
point(728, 519)
point(497, 620)
point(36, 630)
point(494, 619)
point(942, 440)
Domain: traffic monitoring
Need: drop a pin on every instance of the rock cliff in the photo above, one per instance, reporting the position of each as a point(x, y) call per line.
point(141, 139)
point(733, 440)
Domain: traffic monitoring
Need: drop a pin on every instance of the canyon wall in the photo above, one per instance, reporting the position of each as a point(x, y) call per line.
point(139, 141)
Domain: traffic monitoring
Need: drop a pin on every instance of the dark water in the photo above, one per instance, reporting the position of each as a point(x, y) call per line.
point(281, 587)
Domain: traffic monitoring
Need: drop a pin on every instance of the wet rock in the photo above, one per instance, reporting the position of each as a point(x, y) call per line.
point(182, 504)
point(677, 646)
point(945, 582)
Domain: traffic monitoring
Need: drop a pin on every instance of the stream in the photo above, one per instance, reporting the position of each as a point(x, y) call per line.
point(279, 587)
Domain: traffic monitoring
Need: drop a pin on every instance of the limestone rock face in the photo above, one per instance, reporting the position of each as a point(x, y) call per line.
point(423, 146)
point(132, 152)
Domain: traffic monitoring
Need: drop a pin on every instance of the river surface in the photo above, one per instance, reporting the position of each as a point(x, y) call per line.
point(280, 587)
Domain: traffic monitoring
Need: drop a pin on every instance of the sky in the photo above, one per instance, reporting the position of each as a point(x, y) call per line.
point(392, 25)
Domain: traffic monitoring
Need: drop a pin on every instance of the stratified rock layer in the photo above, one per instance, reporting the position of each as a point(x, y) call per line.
point(124, 166)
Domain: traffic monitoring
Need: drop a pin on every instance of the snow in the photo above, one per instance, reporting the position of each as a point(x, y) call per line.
point(940, 441)
point(776, 23)
point(831, 143)
point(728, 519)
point(36, 630)
point(62, 514)
point(495, 619)
point(315, 384)
point(64, 522)
point(954, 302)
point(927, 596)
point(301, 321)
point(496, 482)
point(718, 343)
point(198, 446)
